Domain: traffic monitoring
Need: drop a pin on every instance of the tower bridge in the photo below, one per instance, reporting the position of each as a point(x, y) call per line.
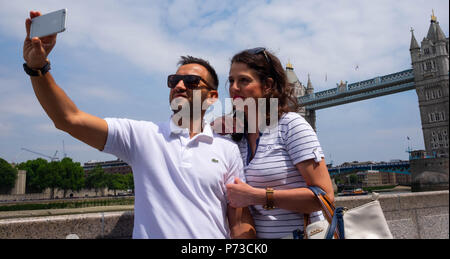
point(378, 86)
point(400, 167)
point(429, 77)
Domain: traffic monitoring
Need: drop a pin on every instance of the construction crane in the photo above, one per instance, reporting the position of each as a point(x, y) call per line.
point(52, 158)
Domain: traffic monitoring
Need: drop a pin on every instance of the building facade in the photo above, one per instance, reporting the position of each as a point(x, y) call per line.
point(301, 90)
point(430, 62)
point(110, 167)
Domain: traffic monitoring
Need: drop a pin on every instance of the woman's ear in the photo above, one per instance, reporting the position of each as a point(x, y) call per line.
point(269, 85)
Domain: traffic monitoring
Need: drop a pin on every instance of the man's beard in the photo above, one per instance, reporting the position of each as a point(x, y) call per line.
point(187, 109)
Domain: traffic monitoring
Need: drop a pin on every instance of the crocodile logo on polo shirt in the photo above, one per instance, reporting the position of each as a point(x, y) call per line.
point(214, 160)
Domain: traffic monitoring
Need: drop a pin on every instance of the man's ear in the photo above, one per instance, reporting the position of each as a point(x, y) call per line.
point(212, 97)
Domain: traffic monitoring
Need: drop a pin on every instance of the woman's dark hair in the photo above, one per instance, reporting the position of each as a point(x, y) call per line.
point(267, 66)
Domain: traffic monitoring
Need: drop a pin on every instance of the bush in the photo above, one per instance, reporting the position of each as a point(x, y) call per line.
point(8, 176)
point(69, 204)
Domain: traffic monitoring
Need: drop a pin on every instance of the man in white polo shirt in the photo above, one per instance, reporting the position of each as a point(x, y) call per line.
point(180, 169)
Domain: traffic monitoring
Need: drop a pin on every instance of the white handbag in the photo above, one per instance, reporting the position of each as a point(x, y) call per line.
point(363, 222)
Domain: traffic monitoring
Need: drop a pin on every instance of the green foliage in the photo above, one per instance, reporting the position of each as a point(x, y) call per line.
point(72, 176)
point(129, 181)
point(65, 175)
point(96, 179)
point(34, 181)
point(8, 176)
point(68, 204)
point(68, 175)
point(116, 182)
point(353, 178)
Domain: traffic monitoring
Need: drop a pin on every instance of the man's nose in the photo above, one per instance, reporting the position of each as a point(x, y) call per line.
point(180, 86)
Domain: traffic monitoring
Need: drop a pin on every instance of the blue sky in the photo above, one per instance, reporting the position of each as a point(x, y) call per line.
point(114, 58)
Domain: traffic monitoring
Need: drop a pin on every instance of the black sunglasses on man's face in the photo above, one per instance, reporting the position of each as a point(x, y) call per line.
point(190, 81)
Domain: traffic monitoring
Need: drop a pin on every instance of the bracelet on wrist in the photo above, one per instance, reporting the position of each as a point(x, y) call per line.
point(269, 199)
point(37, 72)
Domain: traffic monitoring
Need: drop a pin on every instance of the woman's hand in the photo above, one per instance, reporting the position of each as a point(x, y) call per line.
point(228, 124)
point(241, 195)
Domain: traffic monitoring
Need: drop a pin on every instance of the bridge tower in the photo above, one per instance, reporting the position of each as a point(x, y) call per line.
point(301, 90)
point(310, 115)
point(430, 62)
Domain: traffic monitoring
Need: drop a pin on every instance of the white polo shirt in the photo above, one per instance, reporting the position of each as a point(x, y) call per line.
point(179, 182)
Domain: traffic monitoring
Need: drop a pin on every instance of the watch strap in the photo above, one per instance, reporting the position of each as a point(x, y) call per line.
point(38, 72)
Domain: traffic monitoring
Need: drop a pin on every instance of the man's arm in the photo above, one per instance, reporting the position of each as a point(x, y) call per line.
point(58, 106)
point(241, 223)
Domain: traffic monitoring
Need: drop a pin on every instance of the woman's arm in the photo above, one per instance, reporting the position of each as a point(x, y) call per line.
point(300, 200)
point(241, 223)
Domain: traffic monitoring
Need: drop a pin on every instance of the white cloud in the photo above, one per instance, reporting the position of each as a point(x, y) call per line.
point(318, 37)
point(14, 101)
point(47, 128)
point(6, 128)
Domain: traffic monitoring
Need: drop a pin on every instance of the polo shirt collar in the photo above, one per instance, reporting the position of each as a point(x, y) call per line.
point(206, 134)
point(175, 129)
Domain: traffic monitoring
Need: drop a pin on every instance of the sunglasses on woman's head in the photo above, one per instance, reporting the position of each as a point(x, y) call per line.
point(259, 50)
point(190, 81)
point(256, 51)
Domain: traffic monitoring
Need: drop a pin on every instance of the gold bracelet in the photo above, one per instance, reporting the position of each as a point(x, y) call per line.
point(269, 199)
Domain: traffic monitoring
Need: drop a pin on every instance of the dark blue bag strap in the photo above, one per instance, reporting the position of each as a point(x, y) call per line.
point(337, 222)
point(316, 190)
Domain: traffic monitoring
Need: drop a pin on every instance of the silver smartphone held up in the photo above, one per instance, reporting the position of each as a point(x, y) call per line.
point(48, 24)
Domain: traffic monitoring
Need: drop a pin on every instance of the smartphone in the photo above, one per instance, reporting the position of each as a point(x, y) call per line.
point(48, 24)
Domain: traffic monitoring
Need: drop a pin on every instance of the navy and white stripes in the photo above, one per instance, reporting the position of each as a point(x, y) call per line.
point(273, 165)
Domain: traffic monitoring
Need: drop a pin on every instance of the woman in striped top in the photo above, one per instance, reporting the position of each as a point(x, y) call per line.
point(279, 160)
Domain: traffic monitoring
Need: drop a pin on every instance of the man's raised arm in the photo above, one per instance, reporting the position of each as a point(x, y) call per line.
point(58, 106)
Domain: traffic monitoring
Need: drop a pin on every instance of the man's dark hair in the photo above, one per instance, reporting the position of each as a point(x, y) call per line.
point(193, 60)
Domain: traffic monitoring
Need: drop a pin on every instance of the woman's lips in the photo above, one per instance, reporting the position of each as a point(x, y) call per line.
point(238, 96)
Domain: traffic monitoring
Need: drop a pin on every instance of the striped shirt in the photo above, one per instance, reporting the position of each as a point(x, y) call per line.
point(273, 165)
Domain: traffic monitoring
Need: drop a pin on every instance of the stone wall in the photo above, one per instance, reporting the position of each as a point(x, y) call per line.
point(46, 195)
point(429, 174)
point(421, 215)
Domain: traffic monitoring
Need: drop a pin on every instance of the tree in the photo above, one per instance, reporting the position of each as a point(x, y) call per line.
point(72, 176)
point(8, 176)
point(50, 175)
point(129, 181)
point(116, 182)
point(96, 179)
point(34, 183)
point(353, 178)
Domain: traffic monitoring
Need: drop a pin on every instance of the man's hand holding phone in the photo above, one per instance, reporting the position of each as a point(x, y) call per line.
point(36, 50)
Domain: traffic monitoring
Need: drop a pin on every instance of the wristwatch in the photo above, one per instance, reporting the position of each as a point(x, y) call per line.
point(39, 72)
point(269, 199)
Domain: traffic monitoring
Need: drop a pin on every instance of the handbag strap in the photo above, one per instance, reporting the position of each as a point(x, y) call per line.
point(331, 213)
point(325, 202)
point(337, 225)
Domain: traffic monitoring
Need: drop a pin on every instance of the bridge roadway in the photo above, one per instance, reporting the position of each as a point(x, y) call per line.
point(375, 87)
point(401, 167)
